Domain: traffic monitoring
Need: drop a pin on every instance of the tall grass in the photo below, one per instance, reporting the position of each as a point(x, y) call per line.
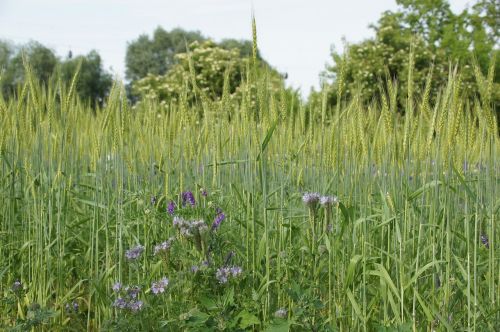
point(418, 193)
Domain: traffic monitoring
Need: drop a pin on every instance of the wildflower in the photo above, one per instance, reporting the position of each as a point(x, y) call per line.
point(235, 271)
point(222, 275)
point(281, 313)
point(120, 303)
point(311, 199)
point(171, 207)
point(195, 268)
point(153, 200)
point(117, 287)
point(158, 287)
point(485, 241)
point(178, 222)
point(133, 291)
point(328, 201)
point(164, 246)
point(199, 225)
point(135, 306)
point(218, 219)
point(188, 197)
point(75, 306)
point(203, 192)
point(134, 253)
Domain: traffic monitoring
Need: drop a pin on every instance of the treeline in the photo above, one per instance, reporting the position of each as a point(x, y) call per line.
point(160, 66)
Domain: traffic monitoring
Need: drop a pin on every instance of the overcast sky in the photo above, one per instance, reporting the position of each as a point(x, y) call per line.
point(294, 36)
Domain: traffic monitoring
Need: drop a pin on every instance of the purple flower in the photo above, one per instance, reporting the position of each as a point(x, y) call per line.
point(153, 200)
point(281, 313)
point(328, 201)
point(218, 219)
point(133, 291)
point(171, 207)
point(117, 287)
point(158, 287)
point(164, 246)
point(188, 197)
point(194, 268)
point(222, 274)
point(485, 241)
point(135, 306)
point(178, 222)
point(235, 271)
point(134, 253)
point(199, 225)
point(120, 303)
point(75, 306)
point(203, 192)
point(311, 199)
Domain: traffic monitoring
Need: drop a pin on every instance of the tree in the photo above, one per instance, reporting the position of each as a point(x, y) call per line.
point(208, 70)
point(93, 82)
point(42, 60)
point(439, 38)
point(156, 56)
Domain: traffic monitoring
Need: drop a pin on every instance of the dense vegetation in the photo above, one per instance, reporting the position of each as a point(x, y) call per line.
point(205, 216)
point(229, 204)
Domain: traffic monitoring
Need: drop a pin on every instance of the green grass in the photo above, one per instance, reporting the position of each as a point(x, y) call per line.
point(416, 194)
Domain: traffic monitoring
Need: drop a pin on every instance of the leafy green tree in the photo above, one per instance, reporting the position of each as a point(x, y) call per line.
point(439, 39)
point(156, 55)
point(42, 60)
point(93, 82)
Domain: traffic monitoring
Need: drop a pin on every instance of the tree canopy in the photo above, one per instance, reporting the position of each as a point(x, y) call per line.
point(438, 38)
point(93, 82)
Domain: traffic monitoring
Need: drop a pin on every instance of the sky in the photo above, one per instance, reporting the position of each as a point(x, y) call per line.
point(294, 36)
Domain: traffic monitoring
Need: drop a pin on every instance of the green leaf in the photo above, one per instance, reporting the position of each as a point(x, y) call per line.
point(267, 139)
point(279, 326)
point(247, 319)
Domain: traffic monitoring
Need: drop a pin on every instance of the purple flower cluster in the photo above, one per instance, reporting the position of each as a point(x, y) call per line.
point(164, 246)
point(127, 298)
point(223, 274)
point(311, 199)
point(218, 219)
point(134, 253)
point(158, 287)
point(188, 198)
point(328, 201)
point(190, 228)
point(171, 207)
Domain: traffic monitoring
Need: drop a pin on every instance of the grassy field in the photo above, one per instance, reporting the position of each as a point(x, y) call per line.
point(94, 204)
